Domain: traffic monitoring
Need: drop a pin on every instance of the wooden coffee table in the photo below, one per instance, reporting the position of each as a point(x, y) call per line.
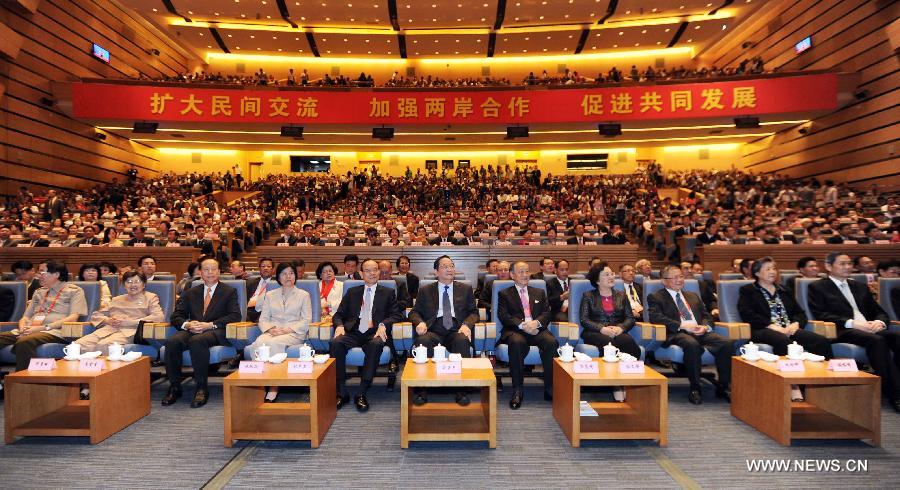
point(247, 416)
point(838, 405)
point(46, 403)
point(643, 415)
point(449, 421)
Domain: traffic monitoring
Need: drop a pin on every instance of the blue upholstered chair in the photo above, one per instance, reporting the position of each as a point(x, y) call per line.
point(729, 316)
point(827, 329)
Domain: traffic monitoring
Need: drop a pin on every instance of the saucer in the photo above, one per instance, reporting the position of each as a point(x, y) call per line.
point(750, 358)
point(70, 358)
point(809, 356)
point(567, 360)
point(420, 362)
point(796, 358)
point(306, 359)
point(765, 356)
point(611, 360)
point(438, 360)
point(116, 358)
point(90, 355)
point(320, 358)
point(278, 358)
point(131, 356)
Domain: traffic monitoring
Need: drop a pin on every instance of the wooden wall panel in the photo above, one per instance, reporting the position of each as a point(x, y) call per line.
point(854, 143)
point(40, 146)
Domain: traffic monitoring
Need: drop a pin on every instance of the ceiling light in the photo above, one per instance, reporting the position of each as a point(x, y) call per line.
point(644, 31)
point(724, 26)
point(696, 27)
point(615, 45)
point(252, 36)
point(690, 40)
point(155, 10)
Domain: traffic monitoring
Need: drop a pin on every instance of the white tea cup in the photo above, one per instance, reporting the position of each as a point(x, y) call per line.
point(262, 353)
point(72, 350)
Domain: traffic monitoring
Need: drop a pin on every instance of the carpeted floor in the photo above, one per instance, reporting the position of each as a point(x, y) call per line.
point(179, 447)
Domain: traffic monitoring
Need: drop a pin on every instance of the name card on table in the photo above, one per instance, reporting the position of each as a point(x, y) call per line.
point(590, 242)
point(173, 244)
point(415, 244)
point(140, 244)
point(586, 367)
point(282, 244)
point(85, 245)
point(791, 366)
point(631, 367)
point(23, 245)
point(449, 367)
point(446, 244)
point(533, 243)
point(302, 244)
point(300, 367)
point(360, 244)
point(251, 367)
point(38, 364)
point(843, 365)
point(91, 365)
point(55, 245)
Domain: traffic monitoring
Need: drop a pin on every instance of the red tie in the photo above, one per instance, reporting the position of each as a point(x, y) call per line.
point(526, 306)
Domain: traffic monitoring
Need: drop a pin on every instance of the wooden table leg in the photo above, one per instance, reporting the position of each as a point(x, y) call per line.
point(119, 398)
point(566, 404)
point(859, 404)
point(489, 402)
point(26, 402)
point(761, 399)
point(404, 415)
point(323, 409)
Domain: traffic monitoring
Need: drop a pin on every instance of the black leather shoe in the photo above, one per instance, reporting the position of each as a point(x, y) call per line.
point(462, 399)
point(362, 404)
point(172, 396)
point(516, 401)
point(723, 393)
point(895, 403)
point(548, 396)
point(695, 397)
point(200, 398)
point(342, 400)
point(393, 367)
point(420, 398)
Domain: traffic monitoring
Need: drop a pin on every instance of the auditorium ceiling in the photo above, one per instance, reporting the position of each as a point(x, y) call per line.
point(441, 28)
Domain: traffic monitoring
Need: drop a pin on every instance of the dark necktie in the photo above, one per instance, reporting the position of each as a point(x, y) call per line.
point(448, 309)
point(682, 308)
point(565, 285)
point(633, 294)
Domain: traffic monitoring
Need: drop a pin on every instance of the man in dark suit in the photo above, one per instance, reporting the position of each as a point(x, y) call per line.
point(34, 239)
point(558, 292)
point(710, 233)
point(54, 207)
point(140, 237)
point(385, 273)
point(707, 288)
point(468, 236)
point(490, 268)
point(859, 320)
point(524, 314)
point(7, 304)
point(200, 315)
point(342, 240)
point(443, 236)
point(90, 237)
point(5, 240)
point(444, 314)
point(579, 238)
point(309, 236)
point(351, 266)
point(633, 290)
point(412, 280)
point(364, 319)
point(24, 271)
point(257, 287)
point(548, 267)
point(484, 301)
point(689, 326)
point(287, 237)
point(842, 236)
point(206, 246)
point(615, 237)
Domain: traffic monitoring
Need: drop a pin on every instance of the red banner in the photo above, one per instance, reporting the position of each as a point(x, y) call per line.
point(649, 102)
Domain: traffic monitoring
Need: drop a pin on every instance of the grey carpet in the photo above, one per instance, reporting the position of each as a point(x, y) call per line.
point(177, 447)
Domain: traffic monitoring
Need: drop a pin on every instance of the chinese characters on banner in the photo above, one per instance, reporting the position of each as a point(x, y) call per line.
point(641, 102)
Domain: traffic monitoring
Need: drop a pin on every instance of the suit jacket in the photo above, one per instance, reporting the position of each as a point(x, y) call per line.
point(837, 240)
point(428, 301)
point(311, 240)
point(345, 242)
point(355, 275)
point(639, 289)
point(223, 307)
point(31, 288)
point(574, 240)
point(610, 239)
point(704, 239)
point(708, 294)
point(754, 308)
point(289, 240)
point(662, 310)
point(537, 275)
point(404, 300)
point(594, 317)
point(827, 303)
point(7, 304)
point(554, 291)
point(412, 284)
point(40, 242)
point(510, 312)
point(437, 241)
point(254, 313)
point(146, 241)
point(90, 241)
point(463, 240)
point(54, 209)
point(484, 299)
point(384, 309)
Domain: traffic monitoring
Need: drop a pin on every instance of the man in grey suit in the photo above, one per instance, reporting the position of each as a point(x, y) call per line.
point(444, 313)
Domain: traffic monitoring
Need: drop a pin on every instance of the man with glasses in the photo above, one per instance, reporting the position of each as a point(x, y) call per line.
point(689, 326)
point(859, 320)
point(445, 314)
point(365, 317)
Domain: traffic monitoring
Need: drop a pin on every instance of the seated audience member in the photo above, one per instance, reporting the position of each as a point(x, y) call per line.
point(342, 240)
point(412, 280)
point(707, 288)
point(193, 273)
point(119, 320)
point(56, 302)
point(710, 233)
point(7, 304)
point(372, 238)
point(285, 318)
point(111, 238)
point(394, 238)
point(746, 265)
point(200, 315)
point(578, 237)
point(147, 266)
point(287, 237)
point(490, 268)
point(385, 273)
point(633, 290)
point(443, 237)
point(644, 267)
point(842, 235)
point(172, 239)
point(91, 272)
point(309, 237)
point(524, 316)
point(24, 272)
point(108, 268)
point(548, 267)
point(859, 320)
point(689, 326)
point(257, 287)
point(888, 269)
point(90, 236)
point(140, 238)
point(486, 293)
point(615, 236)
point(558, 292)
point(444, 313)
point(606, 317)
point(5, 240)
point(330, 289)
point(351, 267)
point(364, 319)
